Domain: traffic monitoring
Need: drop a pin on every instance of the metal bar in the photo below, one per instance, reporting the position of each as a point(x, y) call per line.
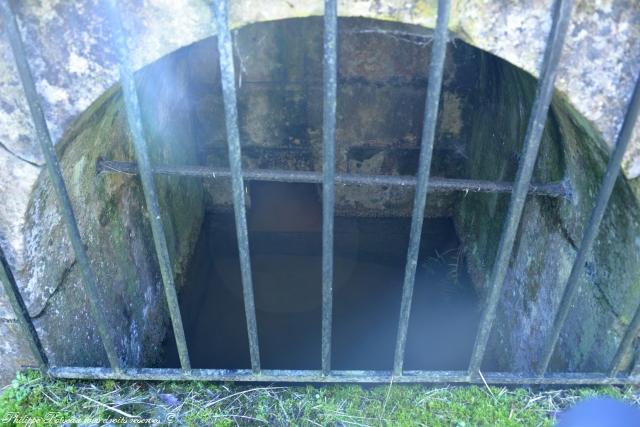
point(53, 167)
point(328, 172)
point(559, 189)
point(434, 88)
point(148, 184)
point(317, 376)
point(635, 370)
point(626, 345)
point(535, 128)
point(227, 72)
point(590, 234)
point(22, 313)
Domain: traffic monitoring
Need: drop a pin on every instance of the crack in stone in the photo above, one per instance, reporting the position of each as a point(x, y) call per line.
point(61, 282)
point(567, 236)
point(40, 312)
point(606, 300)
point(16, 155)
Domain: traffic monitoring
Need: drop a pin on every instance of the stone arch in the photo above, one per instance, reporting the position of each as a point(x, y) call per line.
point(516, 33)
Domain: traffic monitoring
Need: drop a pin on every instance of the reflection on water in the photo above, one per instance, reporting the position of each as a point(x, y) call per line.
point(285, 245)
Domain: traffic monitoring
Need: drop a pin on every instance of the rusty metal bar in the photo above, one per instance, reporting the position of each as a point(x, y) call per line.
point(436, 70)
point(560, 189)
point(22, 314)
point(53, 167)
point(132, 106)
point(330, 73)
point(227, 72)
point(535, 128)
point(590, 234)
point(316, 376)
point(626, 345)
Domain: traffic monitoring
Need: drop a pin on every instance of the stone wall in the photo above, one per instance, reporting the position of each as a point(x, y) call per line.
point(72, 57)
point(110, 211)
point(381, 95)
point(70, 52)
point(550, 231)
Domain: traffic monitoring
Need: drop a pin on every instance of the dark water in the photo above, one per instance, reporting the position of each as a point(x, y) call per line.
point(285, 243)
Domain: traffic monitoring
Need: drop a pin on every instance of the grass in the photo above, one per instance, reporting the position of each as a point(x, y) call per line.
point(36, 399)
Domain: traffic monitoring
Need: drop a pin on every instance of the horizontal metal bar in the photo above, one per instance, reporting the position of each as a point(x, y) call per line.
point(57, 180)
point(436, 71)
point(134, 118)
point(329, 78)
point(316, 376)
point(533, 137)
point(228, 80)
point(22, 313)
point(589, 237)
point(560, 189)
point(417, 83)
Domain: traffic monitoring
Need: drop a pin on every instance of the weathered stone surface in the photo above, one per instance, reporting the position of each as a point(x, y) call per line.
point(71, 53)
point(72, 58)
point(15, 351)
point(69, 49)
point(18, 178)
point(600, 61)
point(380, 107)
point(110, 211)
point(549, 233)
point(17, 128)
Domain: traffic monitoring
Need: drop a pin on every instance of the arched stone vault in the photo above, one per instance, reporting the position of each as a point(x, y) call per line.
point(72, 58)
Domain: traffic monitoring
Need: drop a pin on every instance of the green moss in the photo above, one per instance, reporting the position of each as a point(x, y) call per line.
point(426, 8)
point(551, 229)
point(197, 403)
point(111, 215)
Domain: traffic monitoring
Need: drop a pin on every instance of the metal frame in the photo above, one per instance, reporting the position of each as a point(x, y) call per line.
point(423, 183)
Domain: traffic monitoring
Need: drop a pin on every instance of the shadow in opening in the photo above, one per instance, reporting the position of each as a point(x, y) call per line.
point(285, 243)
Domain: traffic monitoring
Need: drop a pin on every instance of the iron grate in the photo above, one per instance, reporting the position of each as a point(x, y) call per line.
point(328, 178)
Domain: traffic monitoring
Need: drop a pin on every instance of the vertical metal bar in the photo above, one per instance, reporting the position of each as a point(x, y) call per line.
point(57, 180)
point(635, 371)
point(21, 312)
point(590, 234)
point(436, 69)
point(227, 72)
point(328, 173)
point(132, 107)
point(535, 128)
point(626, 345)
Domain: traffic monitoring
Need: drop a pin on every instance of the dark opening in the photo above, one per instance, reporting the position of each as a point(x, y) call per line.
point(285, 241)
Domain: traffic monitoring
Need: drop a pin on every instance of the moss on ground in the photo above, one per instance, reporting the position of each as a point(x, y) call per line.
point(33, 397)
